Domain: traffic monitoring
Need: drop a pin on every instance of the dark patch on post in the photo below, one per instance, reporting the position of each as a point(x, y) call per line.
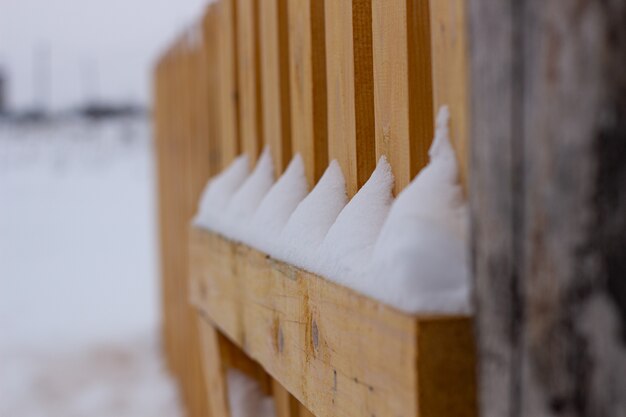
point(610, 204)
point(334, 380)
point(314, 335)
point(281, 340)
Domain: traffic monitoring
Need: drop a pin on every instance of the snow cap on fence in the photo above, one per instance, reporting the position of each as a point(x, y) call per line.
point(277, 206)
point(410, 253)
point(420, 261)
point(346, 250)
point(309, 223)
point(235, 220)
point(218, 193)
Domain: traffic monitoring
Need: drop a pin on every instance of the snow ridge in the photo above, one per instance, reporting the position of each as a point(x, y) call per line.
point(348, 245)
point(410, 253)
point(277, 206)
point(218, 193)
point(308, 225)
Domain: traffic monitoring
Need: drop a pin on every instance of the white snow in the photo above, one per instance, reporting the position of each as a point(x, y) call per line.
point(79, 296)
point(277, 206)
point(246, 398)
point(420, 259)
point(347, 248)
point(218, 193)
point(310, 222)
point(409, 253)
point(235, 219)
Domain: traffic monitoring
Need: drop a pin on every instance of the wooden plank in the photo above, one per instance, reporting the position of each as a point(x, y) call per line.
point(210, 101)
point(213, 350)
point(307, 77)
point(275, 81)
point(402, 85)
point(249, 76)
point(304, 412)
point(349, 72)
point(228, 85)
point(190, 176)
point(314, 336)
point(286, 404)
point(450, 73)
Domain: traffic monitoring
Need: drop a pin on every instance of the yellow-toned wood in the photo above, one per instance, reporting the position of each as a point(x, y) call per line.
point(349, 71)
point(209, 106)
point(450, 73)
point(192, 166)
point(402, 85)
point(337, 352)
point(249, 75)
point(307, 76)
point(275, 81)
point(214, 369)
point(227, 81)
point(286, 404)
point(304, 412)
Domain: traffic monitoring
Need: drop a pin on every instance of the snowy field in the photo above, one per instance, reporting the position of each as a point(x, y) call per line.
point(79, 293)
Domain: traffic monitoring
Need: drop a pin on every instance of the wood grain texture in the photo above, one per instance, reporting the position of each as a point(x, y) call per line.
point(213, 352)
point(548, 203)
point(177, 141)
point(403, 94)
point(249, 76)
point(307, 76)
point(275, 80)
point(228, 82)
point(349, 72)
point(314, 337)
point(286, 404)
point(450, 73)
point(209, 79)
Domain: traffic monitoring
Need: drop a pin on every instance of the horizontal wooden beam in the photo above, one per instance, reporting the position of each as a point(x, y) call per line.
point(337, 352)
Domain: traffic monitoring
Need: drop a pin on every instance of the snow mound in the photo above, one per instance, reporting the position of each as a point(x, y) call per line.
point(246, 398)
point(410, 253)
point(419, 263)
point(277, 206)
point(235, 219)
point(308, 225)
point(347, 248)
point(218, 193)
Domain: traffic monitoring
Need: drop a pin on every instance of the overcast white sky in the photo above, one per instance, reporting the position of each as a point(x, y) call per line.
point(102, 48)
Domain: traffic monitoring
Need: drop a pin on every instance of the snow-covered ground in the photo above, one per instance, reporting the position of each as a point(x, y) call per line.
point(78, 281)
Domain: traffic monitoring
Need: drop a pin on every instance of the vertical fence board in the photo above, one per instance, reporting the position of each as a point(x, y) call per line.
point(250, 117)
point(402, 85)
point(307, 76)
point(193, 162)
point(350, 76)
point(450, 76)
point(275, 81)
point(227, 68)
point(214, 369)
point(210, 101)
point(286, 404)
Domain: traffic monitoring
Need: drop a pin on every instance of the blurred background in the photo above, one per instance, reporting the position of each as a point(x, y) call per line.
point(79, 295)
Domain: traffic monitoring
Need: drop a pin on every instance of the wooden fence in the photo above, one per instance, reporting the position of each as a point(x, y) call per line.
point(348, 80)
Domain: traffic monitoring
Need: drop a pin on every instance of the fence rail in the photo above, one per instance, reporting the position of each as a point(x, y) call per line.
point(349, 80)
